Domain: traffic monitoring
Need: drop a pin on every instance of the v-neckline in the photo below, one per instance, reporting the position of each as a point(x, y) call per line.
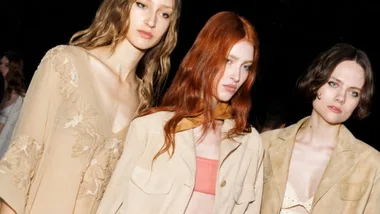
point(109, 118)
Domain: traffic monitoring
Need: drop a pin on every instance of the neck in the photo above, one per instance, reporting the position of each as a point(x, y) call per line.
point(319, 132)
point(124, 59)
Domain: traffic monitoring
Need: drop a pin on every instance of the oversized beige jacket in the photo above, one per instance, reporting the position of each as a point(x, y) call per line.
point(165, 187)
point(63, 150)
point(350, 184)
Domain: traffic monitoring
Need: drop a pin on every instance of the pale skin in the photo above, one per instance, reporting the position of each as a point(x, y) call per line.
point(117, 81)
point(115, 72)
point(236, 73)
point(316, 140)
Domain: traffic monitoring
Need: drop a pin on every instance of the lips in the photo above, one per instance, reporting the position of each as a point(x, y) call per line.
point(230, 88)
point(145, 34)
point(335, 109)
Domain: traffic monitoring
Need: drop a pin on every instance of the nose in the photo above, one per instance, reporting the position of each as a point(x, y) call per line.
point(150, 18)
point(235, 74)
point(341, 97)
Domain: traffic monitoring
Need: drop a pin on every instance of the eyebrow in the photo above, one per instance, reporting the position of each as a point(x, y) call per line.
point(340, 81)
point(236, 58)
point(164, 5)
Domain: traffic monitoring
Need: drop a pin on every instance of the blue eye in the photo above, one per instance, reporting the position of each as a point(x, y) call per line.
point(354, 94)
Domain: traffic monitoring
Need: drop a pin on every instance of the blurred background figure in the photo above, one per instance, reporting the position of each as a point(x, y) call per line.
point(2, 87)
point(11, 68)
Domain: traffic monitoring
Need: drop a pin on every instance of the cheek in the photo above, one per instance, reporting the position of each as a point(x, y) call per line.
point(244, 76)
point(136, 17)
point(352, 105)
point(164, 26)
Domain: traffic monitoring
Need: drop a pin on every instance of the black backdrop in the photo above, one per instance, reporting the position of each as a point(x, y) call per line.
point(292, 33)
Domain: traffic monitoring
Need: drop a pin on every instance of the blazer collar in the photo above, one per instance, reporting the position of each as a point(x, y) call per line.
point(185, 143)
point(342, 158)
point(280, 152)
point(341, 161)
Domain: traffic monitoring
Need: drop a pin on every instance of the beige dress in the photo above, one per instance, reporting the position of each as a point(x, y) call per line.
point(63, 151)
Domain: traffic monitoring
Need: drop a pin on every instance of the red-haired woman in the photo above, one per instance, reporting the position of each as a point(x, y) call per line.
point(196, 153)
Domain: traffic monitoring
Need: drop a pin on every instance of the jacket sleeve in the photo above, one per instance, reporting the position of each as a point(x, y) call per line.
point(134, 147)
point(21, 162)
point(373, 205)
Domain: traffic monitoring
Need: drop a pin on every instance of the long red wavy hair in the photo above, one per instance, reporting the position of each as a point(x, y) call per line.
point(194, 86)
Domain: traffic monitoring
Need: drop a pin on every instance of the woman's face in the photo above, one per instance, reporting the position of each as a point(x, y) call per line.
point(238, 66)
point(148, 22)
point(338, 98)
point(4, 66)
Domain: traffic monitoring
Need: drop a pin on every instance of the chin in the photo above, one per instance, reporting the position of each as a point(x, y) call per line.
point(141, 47)
point(224, 99)
point(334, 120)
point(144, 44)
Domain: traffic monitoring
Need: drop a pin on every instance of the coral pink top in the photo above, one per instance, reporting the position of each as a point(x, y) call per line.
point(207, 170)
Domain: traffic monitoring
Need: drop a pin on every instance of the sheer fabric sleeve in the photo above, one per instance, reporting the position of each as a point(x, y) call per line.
point(22, 160)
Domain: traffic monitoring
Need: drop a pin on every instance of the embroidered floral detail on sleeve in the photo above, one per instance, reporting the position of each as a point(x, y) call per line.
point(99, 152)
point(21, 159)
point(100, 168)
point(53, 52)
point(80, 121)
point(92, 186)
point(68, 75)
point(112, 145)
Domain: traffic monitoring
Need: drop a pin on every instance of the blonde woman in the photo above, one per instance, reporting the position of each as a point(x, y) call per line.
point(79, 105)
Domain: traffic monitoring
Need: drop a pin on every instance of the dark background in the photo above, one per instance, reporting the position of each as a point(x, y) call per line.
point(292, 33)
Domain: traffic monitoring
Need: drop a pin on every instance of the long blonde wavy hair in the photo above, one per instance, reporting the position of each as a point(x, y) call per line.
point(110, 26)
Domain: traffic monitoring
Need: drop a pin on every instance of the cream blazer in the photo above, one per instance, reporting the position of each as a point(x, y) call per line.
point(165, 186)
point(350, 184)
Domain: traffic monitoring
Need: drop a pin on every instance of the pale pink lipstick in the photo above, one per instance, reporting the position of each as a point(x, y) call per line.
point(335, 109)
point(145, 35)
point(230, 87)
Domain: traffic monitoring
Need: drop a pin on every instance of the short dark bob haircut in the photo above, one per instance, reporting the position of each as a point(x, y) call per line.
point(322, 67)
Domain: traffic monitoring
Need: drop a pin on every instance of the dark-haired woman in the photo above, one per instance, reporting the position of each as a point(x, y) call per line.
point(317, 165)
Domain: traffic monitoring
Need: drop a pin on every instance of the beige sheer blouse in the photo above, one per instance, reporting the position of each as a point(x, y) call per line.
point(63, 149)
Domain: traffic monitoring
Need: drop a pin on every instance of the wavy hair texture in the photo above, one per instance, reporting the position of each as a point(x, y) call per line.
point(14, 79)
point(110, 27)
point(194, 87)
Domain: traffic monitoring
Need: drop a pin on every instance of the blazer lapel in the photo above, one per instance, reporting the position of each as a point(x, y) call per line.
point(341, 161)
point(228, 145)
point(280, 154)
point(185, 144)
